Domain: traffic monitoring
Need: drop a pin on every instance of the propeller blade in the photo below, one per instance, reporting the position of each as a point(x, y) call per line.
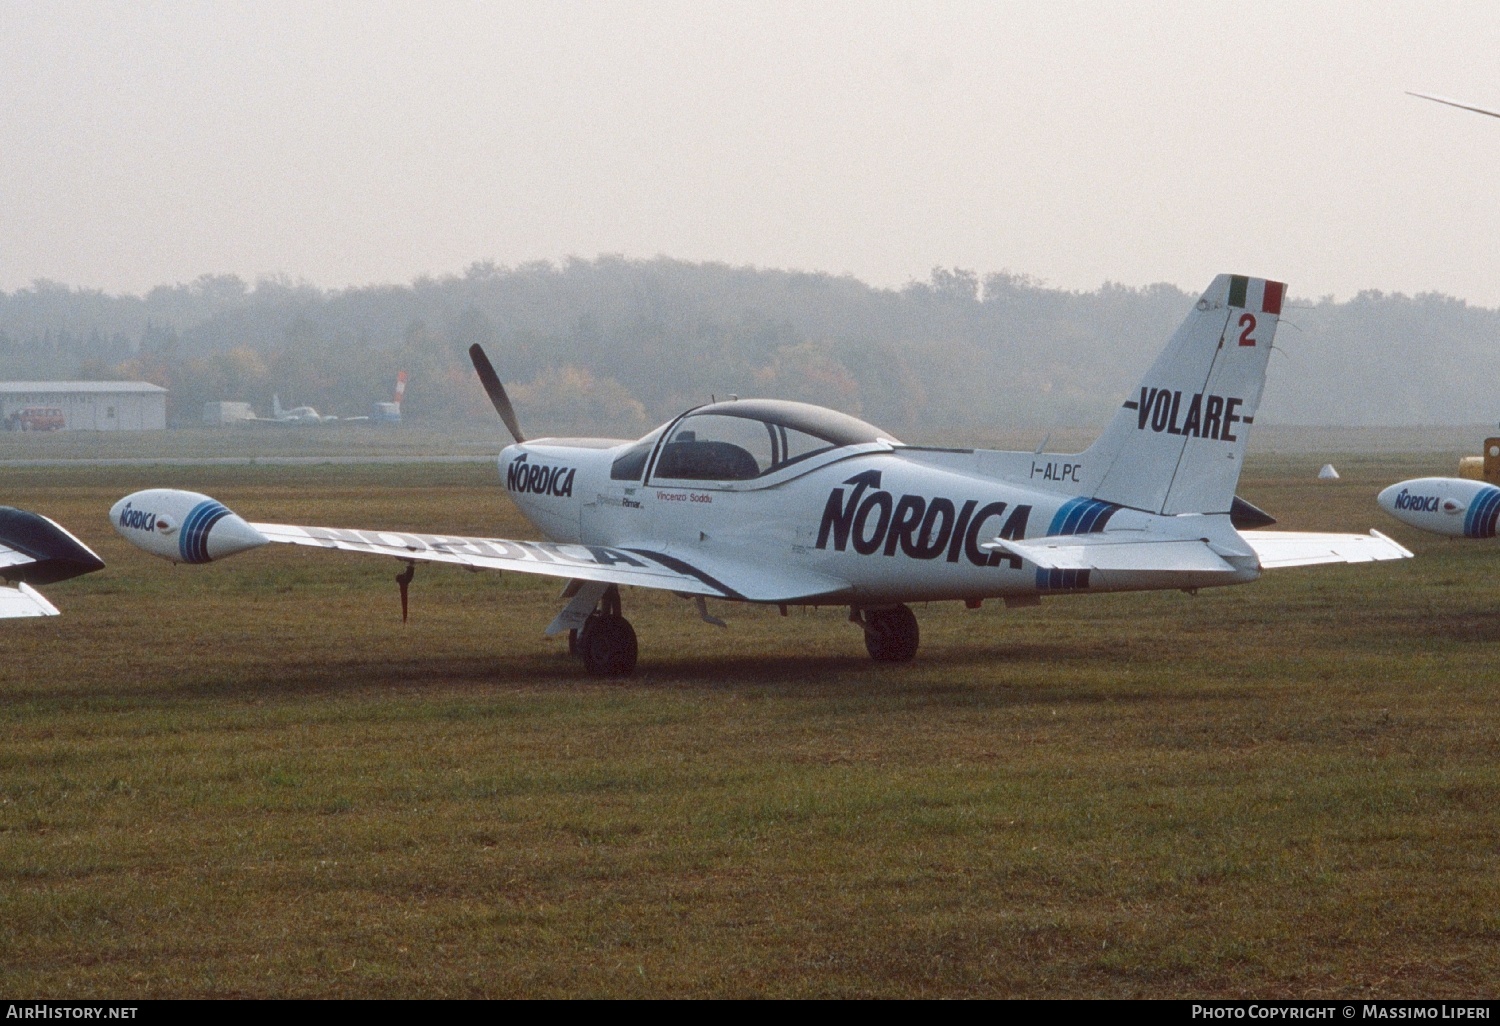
point(1453, 103)
point(496, 391)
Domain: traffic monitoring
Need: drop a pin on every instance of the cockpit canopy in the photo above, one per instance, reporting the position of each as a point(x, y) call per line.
point(744, 439)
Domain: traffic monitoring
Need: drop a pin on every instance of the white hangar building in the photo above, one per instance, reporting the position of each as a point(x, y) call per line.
point(82, 406)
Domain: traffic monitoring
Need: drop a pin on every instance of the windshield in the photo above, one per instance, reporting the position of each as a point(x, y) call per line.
point(742, 440)
point(631, 464)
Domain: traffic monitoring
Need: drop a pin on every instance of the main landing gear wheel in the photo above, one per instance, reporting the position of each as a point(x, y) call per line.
point(607, 645)
point(891, 635)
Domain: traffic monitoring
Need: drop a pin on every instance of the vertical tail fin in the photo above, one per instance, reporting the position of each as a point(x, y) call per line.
point(400, 386)
point(276, 406)
point(1177, 444)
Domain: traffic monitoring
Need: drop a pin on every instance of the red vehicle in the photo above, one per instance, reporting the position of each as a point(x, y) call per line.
point(36, 418)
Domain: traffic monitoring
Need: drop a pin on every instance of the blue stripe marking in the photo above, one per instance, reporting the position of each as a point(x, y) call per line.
point(1061, 580)
point(1081, 516)
point(1487, 526)
point(1471, 515)
point(187, 534)
point(1486, 523)
point(192, 537)
point(1086, 518)
point(1070, 525)
point(1097, 516)
point(1062, 515)
point(1480, 520)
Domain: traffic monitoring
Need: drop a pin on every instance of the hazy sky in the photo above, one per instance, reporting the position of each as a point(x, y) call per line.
point(349, 143)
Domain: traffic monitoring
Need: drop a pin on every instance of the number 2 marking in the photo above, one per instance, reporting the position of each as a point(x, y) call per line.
point(1247, 321)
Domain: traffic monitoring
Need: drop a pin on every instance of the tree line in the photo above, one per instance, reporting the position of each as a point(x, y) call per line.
point(616, 345)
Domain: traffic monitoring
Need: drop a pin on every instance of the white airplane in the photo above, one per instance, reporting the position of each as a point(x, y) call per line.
point(783, 503)
point(1457, 507)
point(297, 414)
point(36, 550)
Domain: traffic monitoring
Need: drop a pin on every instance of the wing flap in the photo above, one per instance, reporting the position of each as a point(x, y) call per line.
point(1278, 549)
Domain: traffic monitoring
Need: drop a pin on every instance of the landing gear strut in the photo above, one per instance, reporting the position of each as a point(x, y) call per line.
point(891, 635)
point(607, 642)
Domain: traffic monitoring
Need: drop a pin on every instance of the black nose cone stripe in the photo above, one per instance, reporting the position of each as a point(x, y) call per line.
point(59, 556)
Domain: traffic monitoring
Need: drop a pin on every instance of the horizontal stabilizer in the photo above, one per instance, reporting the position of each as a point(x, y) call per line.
point(1278, 549)
point(1111, 552)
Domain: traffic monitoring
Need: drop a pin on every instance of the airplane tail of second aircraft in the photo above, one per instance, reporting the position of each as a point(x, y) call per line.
point(1178, 442)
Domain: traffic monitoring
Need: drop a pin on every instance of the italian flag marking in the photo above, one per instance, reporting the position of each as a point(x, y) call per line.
point(1256, 294)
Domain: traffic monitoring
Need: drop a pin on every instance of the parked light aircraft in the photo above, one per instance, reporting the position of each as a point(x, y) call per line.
point(297, 414)
point(783, 503)
point(385, 413)
point(35, 550)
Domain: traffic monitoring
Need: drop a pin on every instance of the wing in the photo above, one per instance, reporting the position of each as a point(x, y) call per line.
point(1278, 549)
point(24, 600)
point(663, 568)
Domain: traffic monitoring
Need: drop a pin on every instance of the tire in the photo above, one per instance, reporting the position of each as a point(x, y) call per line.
point(607, 644)
point(891, 635)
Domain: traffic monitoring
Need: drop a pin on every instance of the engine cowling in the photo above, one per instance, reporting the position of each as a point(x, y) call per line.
point(184, 527)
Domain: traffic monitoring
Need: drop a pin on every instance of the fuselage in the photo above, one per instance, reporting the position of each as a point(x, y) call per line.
point(887, 522)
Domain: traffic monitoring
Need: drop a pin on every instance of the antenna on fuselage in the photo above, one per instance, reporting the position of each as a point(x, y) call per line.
point(496, 391)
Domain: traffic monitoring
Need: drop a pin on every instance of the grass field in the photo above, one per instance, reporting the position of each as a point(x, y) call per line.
point(251, 779)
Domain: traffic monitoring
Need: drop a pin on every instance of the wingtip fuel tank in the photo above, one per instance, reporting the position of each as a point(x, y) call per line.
point(184, 527)
point(50, 551)
point(1452, 506)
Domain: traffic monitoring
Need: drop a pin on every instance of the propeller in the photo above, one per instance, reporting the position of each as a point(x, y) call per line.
point(1453, 103)
point(496, 391)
